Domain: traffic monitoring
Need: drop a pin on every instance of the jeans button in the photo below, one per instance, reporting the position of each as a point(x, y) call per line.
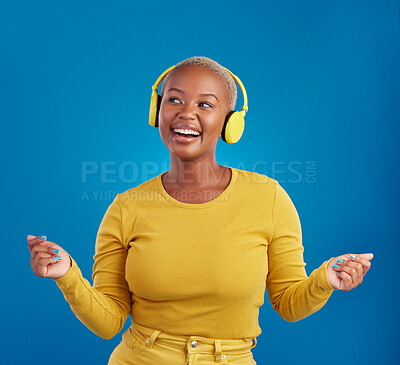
point(193, 344)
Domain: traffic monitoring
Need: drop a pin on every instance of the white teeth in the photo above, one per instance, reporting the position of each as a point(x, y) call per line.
point(187, 131)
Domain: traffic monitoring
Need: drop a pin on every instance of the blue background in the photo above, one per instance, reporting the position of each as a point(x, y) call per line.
point(323, 82)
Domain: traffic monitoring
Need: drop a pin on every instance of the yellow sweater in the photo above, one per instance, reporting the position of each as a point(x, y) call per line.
point(197, 269)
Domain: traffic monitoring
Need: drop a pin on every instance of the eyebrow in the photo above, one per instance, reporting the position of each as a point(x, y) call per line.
point(182, 92)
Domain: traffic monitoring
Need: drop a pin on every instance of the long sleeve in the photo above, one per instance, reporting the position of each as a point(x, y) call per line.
point(104, 307)
point(292, 294)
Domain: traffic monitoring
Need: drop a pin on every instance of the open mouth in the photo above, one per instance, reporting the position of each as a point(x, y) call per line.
point(181, 136)
point(189, 135)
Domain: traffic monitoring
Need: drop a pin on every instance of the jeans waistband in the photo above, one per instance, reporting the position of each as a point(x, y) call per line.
point(194, 343)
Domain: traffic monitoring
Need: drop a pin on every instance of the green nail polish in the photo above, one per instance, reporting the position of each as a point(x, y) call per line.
point(59, 257)
point(56, 250)
point(336, 265)
point(42, 237)
point(339, 260)
point(353, 256)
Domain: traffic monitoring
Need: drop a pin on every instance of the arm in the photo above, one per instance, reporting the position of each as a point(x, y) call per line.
point(292, 294)
point(104, 307)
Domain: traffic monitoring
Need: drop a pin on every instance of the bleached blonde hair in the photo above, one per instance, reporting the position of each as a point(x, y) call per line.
point(213, 65)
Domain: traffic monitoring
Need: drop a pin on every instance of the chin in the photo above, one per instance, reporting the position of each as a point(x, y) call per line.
point(187, 154)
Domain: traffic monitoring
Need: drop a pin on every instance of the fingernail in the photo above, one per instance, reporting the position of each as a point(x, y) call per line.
point(42, 237)
point(337, 272)
point(55, 258)
point(336, 265)
point(353, 256)
point(58, 257)
point(56, 250)
point(339, 260)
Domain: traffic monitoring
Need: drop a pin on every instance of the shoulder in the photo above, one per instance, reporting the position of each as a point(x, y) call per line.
point(251, 177)
point(255, 188)
point(144, 191)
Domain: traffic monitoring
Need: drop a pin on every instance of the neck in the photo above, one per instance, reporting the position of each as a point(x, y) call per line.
point(194, 174)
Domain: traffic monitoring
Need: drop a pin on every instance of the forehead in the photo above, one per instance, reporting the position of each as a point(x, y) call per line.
point(197, 79)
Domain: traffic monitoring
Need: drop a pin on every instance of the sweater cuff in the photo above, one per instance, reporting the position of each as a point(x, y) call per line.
point(73, 274)
point(323, 281)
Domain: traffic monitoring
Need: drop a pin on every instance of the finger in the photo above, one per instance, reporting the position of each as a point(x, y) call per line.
point(367, 256)
point(366, 264)
point(39, 255)
point(35, 260)
point(32, 240)
point(346, 283)
point(41, 261)
point(44, 247)
point(340, 261)
point(352, 271)
point(47, 261)
point(39, 248)
point(354, 264)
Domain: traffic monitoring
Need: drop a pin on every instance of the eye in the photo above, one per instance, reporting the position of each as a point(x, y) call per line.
point(207, 104)
point(172, 100)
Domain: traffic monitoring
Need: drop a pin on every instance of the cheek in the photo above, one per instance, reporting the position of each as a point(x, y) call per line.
point(165, 114)
point(165, 119)
point(215, 123)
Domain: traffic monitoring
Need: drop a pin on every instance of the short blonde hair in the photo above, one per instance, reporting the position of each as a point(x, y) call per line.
point(213, 65)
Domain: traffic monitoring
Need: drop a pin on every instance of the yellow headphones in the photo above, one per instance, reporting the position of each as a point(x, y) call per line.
point(234, 121)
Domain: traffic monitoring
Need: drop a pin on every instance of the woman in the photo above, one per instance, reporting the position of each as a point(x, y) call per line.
point(189, 253)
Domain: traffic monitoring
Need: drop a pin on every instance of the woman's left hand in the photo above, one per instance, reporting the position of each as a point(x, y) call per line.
point(349, 271)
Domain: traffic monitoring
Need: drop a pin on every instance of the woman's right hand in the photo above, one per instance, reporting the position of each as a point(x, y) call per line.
point(46, 262)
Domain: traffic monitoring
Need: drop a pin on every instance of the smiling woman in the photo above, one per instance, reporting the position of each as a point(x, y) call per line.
point(188, 254)
point(189, 109)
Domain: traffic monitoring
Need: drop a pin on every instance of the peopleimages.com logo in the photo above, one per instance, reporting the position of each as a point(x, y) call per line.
point(131, 174)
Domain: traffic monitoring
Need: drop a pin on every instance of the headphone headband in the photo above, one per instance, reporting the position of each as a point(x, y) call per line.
point(245, 108)
point(161, 77)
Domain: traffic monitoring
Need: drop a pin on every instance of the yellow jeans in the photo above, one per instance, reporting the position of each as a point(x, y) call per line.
point(147, 346)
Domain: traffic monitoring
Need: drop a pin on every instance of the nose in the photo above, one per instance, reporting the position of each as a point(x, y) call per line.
point(187, 111)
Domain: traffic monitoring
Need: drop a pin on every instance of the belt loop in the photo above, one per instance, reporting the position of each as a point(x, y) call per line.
point(150, 340)
point(128, 338)
point(217, 344)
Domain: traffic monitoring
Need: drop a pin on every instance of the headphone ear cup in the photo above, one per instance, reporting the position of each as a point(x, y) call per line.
point(233, 127)
point(154, 107)
point(158, 109)
point(224, 127)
